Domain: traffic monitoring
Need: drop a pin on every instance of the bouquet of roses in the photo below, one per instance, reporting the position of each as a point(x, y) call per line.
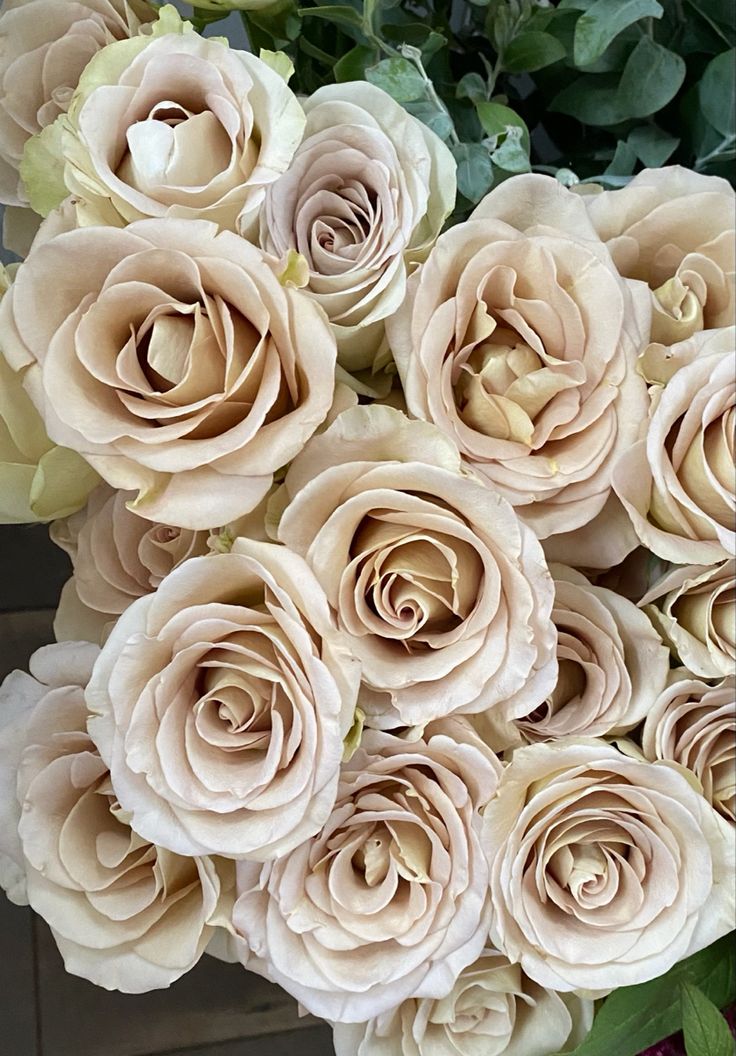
point(396, 470)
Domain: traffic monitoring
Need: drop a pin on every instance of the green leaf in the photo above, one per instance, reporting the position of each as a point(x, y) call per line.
point(428, 40)
point(604, 20)
point(652, 145)
point(474, 170)
point(511, 155)
point(352, 66)
point(496, 119)
point(623, 161)
point(706, 1031)
point(717, 93)
point(635, 1017)
point(532, 51)
point(592, 99)
point(399, 77)
point(653, 75)
point(341, 14)
point(432, 116)
point(472, 86)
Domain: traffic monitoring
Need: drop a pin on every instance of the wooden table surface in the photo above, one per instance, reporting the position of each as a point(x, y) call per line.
point(216, 1010)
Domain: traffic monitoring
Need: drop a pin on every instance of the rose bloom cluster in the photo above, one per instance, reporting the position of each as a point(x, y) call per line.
point(397, 661)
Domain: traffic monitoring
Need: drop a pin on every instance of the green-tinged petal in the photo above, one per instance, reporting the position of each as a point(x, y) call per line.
point(42, 168)
point(279, 61)
point(61, 484)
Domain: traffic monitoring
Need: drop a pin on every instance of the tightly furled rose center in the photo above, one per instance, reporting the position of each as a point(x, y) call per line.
point(418, 586)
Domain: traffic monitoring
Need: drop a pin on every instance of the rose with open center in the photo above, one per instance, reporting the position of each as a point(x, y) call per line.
point(605, 870)
point(366, 195)
point(492, 1010)
point(221, 703)
point(44, 47)
point(442, 593)
point(390, 899)
point(125, 914)
point(694, 724)
point(612, 664)
point(694, 609)
point(518, 339)
point(677, 484)
point(175, 124)
point(117, 557)
point(674, 229)
point(173, 359)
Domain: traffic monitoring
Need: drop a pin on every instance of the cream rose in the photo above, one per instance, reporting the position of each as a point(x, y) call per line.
point(674, 229)
point(390, 900)
point(612, 664)
point(694, 724)
point(694, 609)
point(519, 339)
point(605, 870)
point(117, 557)
point(44, 47)
point(125, 914)
point(177, 125)
point(443, 594)
point(221, 703)
point(677, 484)
point(365, 196)
point(172, 358)
point(38, 480)
point(492, 1010)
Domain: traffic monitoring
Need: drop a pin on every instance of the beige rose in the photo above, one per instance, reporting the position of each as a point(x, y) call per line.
point(492, 1010)
point(125, 914)
point(674, 229)
point(694, 724)
point(442, 593)
point(677, 484)
point(519, 340)
point(44, 47)
point(38, 480)
point(694, 609)
point(366, 194)
point(612, 664)
point(117, 557)
point(390, 900)
point(605, 870)
point(171, 357)
point(177, 125)
point(221, 703)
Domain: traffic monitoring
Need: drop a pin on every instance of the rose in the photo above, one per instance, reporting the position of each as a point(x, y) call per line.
point(221, 703)
point(390, 900)
point(441, 592)
point(366, 194)
point(694, 609)
point(694, 724)
point(125, 914)
point(492, 1010)
point(44, 47)
point(38, 480)
point(605, 870)
point(171, 357)
point(177, 125)
point(612, 664)
point(117, 557)
point(674, 229)
point(518, 339)
point(677, 484)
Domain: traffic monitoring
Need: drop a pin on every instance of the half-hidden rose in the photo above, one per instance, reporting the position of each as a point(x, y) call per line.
point(125, 914)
